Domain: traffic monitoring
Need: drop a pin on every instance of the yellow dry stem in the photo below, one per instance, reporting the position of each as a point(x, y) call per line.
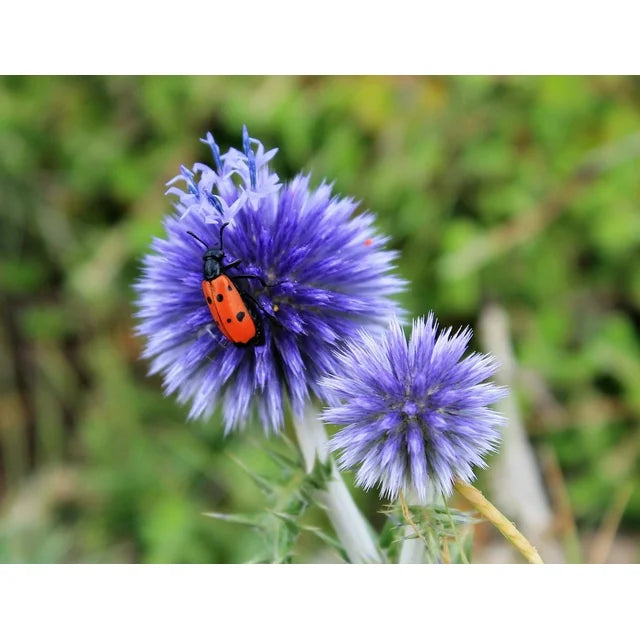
point(502, 524)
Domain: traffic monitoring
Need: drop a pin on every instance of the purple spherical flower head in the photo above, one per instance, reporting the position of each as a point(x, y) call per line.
point(325, 269)
point(416, 414)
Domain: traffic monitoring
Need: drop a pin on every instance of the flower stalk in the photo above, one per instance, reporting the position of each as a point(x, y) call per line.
point(414, 544)
point(498, 520)
point(353, 531)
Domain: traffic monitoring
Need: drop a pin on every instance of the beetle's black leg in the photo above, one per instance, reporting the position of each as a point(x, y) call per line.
point(256, 305)
point(253, 305)
point(262, 282)
point(245, 276)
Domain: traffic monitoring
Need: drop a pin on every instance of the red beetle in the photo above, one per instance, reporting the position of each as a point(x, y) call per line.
point(235, 312)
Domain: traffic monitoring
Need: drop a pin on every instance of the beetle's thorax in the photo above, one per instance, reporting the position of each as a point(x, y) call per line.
point(212, 263)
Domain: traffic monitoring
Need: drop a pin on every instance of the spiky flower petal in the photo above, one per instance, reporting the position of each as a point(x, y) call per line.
point(415, 413)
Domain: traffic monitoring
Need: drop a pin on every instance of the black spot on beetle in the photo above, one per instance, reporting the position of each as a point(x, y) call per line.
point(229, 287)
point(219, 297)
point(240, 316)
point(209, 300)
point(228, 319)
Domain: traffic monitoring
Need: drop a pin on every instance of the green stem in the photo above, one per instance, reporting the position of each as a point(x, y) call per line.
point(413, 546)
point(456, 535)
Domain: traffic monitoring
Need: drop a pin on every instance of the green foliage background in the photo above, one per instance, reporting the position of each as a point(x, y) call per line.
point(521, 191)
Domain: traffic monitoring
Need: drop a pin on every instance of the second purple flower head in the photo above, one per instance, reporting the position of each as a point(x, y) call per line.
point(415, 413)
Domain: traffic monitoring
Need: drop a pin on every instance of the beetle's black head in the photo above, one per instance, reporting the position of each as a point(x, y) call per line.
point(213, 256)
point(216, 254)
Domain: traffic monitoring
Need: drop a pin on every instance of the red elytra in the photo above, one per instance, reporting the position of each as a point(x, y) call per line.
point(229, 310)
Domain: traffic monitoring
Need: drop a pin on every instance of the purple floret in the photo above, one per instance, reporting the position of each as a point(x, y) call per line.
point(415, 414)
point(329, 271)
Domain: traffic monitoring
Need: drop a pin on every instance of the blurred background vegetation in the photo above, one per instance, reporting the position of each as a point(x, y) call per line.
point(517, 192)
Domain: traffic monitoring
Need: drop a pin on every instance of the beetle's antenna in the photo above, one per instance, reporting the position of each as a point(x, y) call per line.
point(222, 228)
point(193, 235)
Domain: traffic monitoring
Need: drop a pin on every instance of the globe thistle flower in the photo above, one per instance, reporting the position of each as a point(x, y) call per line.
point(318, 273)
point(416, 414)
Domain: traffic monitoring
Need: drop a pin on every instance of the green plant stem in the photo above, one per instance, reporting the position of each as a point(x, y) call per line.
point(413, 546)
point(458, 539)
point(499, 521)
point(352, 529)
